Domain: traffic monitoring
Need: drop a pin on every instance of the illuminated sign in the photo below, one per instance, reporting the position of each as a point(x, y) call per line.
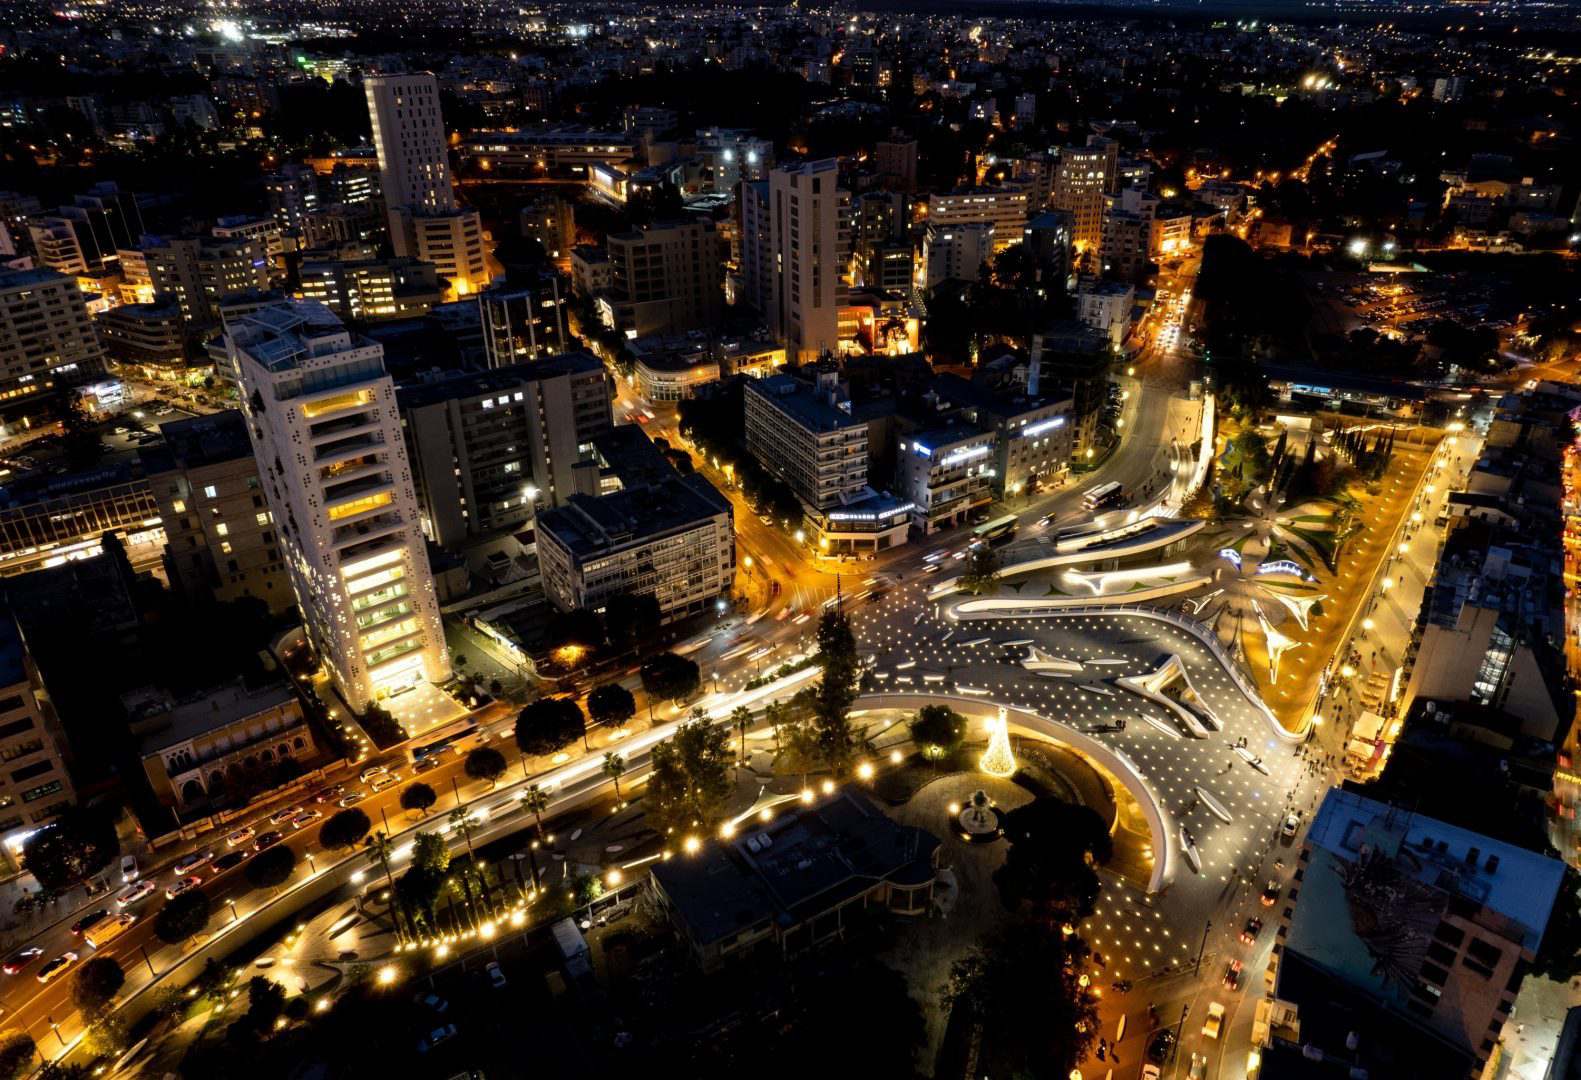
point(1283, 566)
point(1040, 428)
point(854, 515)
point(1231, 556)
point(965, 454)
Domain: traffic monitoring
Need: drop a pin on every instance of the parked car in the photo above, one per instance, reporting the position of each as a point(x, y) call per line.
point(496, 976)
point(1270, 895)
point(185, 884)
point(435, 1037)
point(1291, 825)
point(56, 967)
point(135, 893)
point(1249, 932)
point(433, 1001)
point(22, 959)
point(88, 920)
point(1215, 1021)
point(1232, 975)
point(229, 861)
point(129, 869)
point(240, 837)
point(188, 863)
point(267, 840)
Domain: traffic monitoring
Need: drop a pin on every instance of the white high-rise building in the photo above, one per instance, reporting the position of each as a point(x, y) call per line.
point(414, 171)
point(327, 434)
point(804, 242)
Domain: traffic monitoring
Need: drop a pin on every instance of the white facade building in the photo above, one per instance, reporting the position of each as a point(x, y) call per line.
point(327, 435)
point(804, 246)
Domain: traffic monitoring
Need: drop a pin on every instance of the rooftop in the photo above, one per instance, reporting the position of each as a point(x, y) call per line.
point(214, 710)
point(198, 441)
point(589, 526)
point(801, 403)
point(456, 385)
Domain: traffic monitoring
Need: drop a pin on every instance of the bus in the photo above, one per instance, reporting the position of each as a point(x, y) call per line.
point(998, 531)
point(106, 930)
point(1103, 495)
point(459, 740)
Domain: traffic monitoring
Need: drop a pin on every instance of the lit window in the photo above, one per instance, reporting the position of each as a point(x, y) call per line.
point(222, 529)
point(263, 518)
point(211, 492)
point(225, 546)
point(179, 506)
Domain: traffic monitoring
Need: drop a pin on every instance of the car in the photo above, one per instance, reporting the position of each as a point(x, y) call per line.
point(280, 817)
point(351, 800)
point(188, 863)
point(435, 1037)
point(88, 920)
point(1291, 824)
point(267, 840)
point(56, 967)
point(1249, 932)
point(432, 1001)
point(1199, 1067)
point(931, 568)
point(240, 836)
point(192, 881)
point(381, 783)
point(306, 818)
point(1270, 895)
point(135, 893)
point(329, 794)
point(229, 861)
point(765, 519)
point(1232, 975)
point(1161, 1045)
point(1150, 1072)
point(1215, 1021)
point(129, 869)
point(371, 771)
point(496, 976)
point(22, 959)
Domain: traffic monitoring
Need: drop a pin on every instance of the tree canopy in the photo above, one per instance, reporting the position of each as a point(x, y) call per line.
point(95, 983)
point(611, 705)
point(271, 868)
point(548, 725)
point(837, 742)
point(1049, 867)
point(668, 677)
point(940, 726)
point(78, 845)
point(418, 798)
point(982, 571)
point(345, 829)
point(185, 915)
point(690, 780)
point(485, 763)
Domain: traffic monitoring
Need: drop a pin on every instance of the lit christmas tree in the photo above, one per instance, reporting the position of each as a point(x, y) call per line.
point(998, 759)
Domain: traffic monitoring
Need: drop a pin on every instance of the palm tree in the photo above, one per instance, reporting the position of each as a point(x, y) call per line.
point(741, 717)
point(614, 767)
point(459, 818)
point(536, 800)
point(379, 846)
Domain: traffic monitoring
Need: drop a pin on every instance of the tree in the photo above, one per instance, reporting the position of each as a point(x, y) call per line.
point(938, 726)
point(831, 705)
point(614, 768)
point(611, 705)
point(485, 763)
point(96, 982)
point(549, 725)
point(741, 720)
point(17, 1054)
point(667, 677)
point(1023, 986)
point(185, 915)
point(381, 726)
point(265, 1003)
point(271, 868)
point(982, 571)
point(690, 781)
point(78, 845)
point(379, 846)
point(1049, 867)
point(536, 800)
point(631, 621)
point(345, 829)
point(418, 798)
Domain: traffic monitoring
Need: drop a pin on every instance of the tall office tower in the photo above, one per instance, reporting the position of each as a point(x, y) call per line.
point(46, 339)
point(414, 172)
point(804, 240)
point(332, 458)
point(1079, 186)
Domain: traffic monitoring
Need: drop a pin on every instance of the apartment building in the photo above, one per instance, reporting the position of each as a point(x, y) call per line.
point(220, 537)
point(154, 334)
point(945, 473)
point(293, 194)
point(327, 436)
point(525, 321)
point(673, 540)
point(1082, 175)
point(1073, 357)
point(1442, 925)
point(804, 244)
point(956, 252)
point(34, 785)
point(368, 289)
point(197, 272)
point(1005, 208)
point(802, 435)
point(1032, 434)
point(489, 447)
point(46, 340)
point(663, 278)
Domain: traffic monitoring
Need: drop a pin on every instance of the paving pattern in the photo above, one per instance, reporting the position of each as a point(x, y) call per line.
point(914, 649)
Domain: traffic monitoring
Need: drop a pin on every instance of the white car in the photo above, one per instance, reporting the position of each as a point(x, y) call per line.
point(306, 818)
point(373, 770)
point(1215, 1021)
point(380, 783)
point(129, 870)
point(1292, 824)
point(240, 836)
point(188, 863)
point(135, 893)
point(184, 885)
point(280, 817)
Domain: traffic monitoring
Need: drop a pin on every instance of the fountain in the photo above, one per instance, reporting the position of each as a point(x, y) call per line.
point(979, 821)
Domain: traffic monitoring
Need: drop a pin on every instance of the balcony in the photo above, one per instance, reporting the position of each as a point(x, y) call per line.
point(347, 449)
point(353, 538)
